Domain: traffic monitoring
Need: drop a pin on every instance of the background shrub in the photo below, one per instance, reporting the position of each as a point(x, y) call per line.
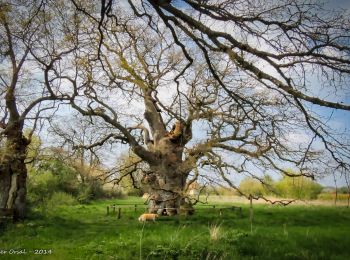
point(60, 198)
point(298, 188)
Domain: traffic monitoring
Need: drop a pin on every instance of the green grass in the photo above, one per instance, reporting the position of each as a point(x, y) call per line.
point(86, 232)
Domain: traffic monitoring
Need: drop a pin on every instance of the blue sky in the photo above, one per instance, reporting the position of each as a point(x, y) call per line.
point(339, 4)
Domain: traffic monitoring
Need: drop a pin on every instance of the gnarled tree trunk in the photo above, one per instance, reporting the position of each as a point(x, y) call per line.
point(166, 180)
point(13, 174)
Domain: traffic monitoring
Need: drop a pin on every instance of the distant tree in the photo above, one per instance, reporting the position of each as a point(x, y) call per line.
point(343, 190)
point(72, 145)
point(251, 186)
point(50, 176)
point(34, 149)
point(347, 180)
point(298, 187)
point(268, 184)
point(128, 174)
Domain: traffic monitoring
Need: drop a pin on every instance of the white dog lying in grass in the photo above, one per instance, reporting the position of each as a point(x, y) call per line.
point(148, 216)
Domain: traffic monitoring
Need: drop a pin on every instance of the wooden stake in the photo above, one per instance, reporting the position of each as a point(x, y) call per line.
point(107, 210)
point(251, 213)
point(119, 213)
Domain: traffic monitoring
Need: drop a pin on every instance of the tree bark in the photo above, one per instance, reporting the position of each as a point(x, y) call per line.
point(166, 180)
point(13, 175)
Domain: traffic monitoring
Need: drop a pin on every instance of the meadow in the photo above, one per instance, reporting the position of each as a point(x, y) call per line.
point(87, 232)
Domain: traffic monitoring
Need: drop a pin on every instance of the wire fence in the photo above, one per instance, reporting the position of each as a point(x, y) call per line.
point(116, 209)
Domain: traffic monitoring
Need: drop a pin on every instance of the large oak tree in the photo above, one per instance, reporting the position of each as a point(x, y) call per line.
point(225, 87)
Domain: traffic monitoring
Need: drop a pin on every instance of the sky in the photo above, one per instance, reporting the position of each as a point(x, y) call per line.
point(345, 4)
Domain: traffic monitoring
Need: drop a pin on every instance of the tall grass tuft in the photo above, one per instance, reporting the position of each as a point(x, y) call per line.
point(285, 231)
point(215, 232)
point(141, 236)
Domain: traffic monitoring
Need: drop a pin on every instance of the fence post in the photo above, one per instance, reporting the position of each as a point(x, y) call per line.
point(251, 213)
point(107, 210)
point(135, 207)
point(113, 208)
point(119, 213)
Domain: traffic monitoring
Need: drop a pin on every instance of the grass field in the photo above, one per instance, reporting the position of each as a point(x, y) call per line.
point(86, 232)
